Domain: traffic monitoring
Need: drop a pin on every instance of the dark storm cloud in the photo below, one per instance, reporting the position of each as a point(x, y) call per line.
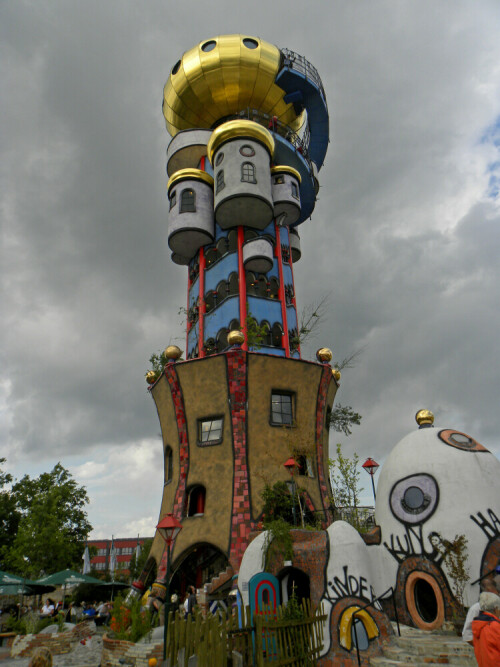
point(404, 236)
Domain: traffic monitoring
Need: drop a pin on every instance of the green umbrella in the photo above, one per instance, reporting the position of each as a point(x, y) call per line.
point(65, 577)
point(12, 584)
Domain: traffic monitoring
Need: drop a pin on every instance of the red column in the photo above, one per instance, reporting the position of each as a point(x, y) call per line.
point(286, 343)
point(242, 286)
point(201, 302)
point(294, 301)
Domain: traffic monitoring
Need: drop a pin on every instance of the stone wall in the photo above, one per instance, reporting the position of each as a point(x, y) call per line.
point(59, 642)
point(114, 649)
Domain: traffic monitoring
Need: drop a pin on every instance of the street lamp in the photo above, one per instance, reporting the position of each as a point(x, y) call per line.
point(290, 465)
point(371, 467)
point(168, 528)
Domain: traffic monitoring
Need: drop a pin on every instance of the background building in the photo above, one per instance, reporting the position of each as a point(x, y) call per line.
point(125, 548)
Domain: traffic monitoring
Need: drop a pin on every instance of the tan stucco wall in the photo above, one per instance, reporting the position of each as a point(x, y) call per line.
point(270, 446)
point(204, 389)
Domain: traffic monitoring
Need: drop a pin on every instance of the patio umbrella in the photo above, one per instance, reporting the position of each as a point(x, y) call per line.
point(111, 587)
point(20, 585)
point(65, 577)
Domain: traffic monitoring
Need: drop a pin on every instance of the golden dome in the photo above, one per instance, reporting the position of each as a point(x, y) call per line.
point(235, 337)
point(239, 128)
point(424, 417)
point(151, 377)
point(221, 77)
point(285, 169)
point(173, 352)
point(336, 374)
point(324, 354)
point(189, 174)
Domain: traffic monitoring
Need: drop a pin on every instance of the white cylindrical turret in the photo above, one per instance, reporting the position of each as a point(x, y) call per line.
point(240, 152)
point(258, 255)
point(191, 212)
point(286, 193)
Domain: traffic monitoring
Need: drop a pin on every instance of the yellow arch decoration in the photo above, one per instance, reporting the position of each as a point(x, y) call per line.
point(346, 622)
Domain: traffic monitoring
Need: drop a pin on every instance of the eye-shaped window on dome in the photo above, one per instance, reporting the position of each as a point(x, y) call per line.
point(461, 441)
point(208, 46)
point(250, 43)
point(414, 498)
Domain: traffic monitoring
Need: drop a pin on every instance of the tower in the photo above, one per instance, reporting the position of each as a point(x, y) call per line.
point(249, 126)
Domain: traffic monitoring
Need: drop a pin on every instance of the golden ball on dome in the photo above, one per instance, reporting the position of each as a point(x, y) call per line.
point(336, 374)
point(151, 377)
point(235, 337)
point(324, 354)
point(173, 352)
point(424, 417)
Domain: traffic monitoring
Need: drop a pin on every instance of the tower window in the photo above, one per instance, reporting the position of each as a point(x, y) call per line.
point(220, 181)
point(305, 466)
point(219, 158)
point(188, 201)
point(282, 408)
point(295, 190)
point(248, 173)
point(278, 180)
point(247, 150)
point(210, 431)
point(169, 464)
point(196, 501)
point(173, 200)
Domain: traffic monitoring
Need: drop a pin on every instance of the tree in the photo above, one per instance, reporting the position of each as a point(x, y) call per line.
point(344, 480)
point(53, 526)
point(9, 514)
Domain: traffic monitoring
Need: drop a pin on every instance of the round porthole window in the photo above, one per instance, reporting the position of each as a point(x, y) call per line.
point(414, 498)
point(424, 600)
point(208, 46)
point(219, 158)
point(247, 151)
point(461, 441)
point(250, 43)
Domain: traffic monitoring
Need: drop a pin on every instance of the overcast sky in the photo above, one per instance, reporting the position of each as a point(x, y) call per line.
point(404, 237)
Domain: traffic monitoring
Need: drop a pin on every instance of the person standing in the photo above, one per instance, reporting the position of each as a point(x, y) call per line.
point(486, 631)
point(192, 601)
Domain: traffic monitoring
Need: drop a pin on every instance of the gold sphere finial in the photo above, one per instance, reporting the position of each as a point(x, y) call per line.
point(424, 417)
point(151, 377)
point(324, 354)
point(235, 337)
point(172, 352)
point(336, 374)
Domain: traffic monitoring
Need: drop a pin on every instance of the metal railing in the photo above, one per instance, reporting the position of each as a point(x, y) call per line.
point(301, 144)
point(370, 604)
point(483, 576)
point(300, 64)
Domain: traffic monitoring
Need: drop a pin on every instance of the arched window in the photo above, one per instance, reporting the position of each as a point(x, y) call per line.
point(305, 467)
point(209, 347)
point(277, 334)
point(209, 301)
point(232, 241)
point(267, 338)
point(220, 181)
point(274, 287)
point(262, 287)
point(295, 190)
point(222, 246)
point(248, 173)
point(221, 291)
point(250, 234)
point(234, 325)
point(211, 255)
point(222, 340)
point(188, 201)
point(169, 464)
point(233, 283)
point(173, 200)
point(251, 283)
point(196, 501)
